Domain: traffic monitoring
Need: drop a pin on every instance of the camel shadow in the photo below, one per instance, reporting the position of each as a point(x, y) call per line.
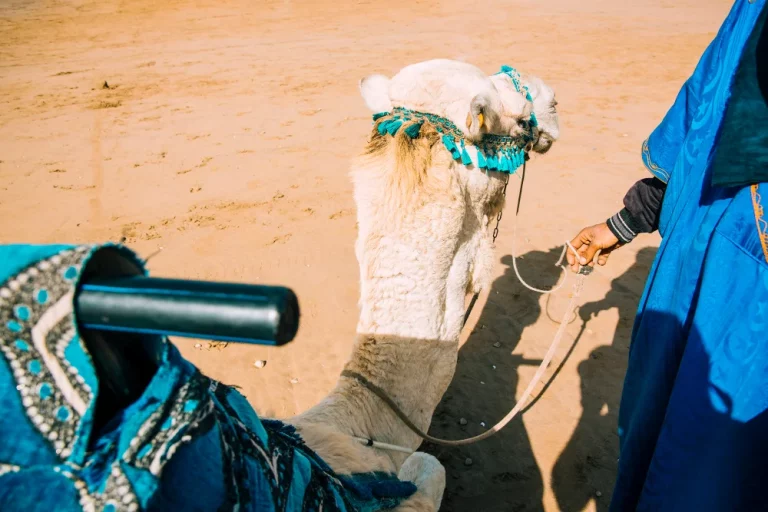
point(586, 469)
point(503, 474)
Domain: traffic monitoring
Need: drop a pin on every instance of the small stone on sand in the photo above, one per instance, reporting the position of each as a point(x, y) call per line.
point(294, 381)
point(598, 494)
point(463, 421)
point(198, 346)
point(467, 461)
point(497, 344)
point(260, 363)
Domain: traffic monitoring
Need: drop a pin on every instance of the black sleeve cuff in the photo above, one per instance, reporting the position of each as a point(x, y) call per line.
point(623, 226)
point(642, 205)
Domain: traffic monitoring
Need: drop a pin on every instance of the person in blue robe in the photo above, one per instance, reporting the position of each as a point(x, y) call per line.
point(693, 419)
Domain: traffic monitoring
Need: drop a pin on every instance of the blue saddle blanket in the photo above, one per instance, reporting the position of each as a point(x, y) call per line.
point(186, 443)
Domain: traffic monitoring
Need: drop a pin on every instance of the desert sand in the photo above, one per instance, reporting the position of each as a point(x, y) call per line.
point(222, 131)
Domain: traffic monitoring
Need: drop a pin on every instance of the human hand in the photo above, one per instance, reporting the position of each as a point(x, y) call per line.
point(588, 242)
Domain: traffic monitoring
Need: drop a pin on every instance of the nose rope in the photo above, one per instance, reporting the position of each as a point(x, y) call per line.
point(583, 269)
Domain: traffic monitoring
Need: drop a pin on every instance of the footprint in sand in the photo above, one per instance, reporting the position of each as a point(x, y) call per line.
point(280, 239)
point(340, 214)
point(129, 231)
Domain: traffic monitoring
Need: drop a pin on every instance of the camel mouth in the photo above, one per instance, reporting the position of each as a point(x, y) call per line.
point(543, 143)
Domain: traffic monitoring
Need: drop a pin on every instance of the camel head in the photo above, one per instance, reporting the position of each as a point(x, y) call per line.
point(424, 203)
point(544, 104)
point(451, 89)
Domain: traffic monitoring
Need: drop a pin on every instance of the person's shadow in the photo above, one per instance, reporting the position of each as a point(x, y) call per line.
point(695, 424)
point(586, 469)
point(503, 474)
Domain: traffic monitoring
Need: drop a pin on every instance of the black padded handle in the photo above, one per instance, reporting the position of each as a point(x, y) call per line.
point(264, 315)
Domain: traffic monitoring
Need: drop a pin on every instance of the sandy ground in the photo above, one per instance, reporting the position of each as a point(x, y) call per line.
point(225, 135)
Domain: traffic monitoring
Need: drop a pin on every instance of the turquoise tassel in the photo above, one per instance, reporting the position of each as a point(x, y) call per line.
point(481, 162)
point(413, 130)
point(465, 158)
point(448, 143)
point(495, 153)
point(506, 69)
point(534, 119)
point(394, 125)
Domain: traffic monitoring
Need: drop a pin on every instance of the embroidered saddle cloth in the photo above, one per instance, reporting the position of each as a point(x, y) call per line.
point(185, 442)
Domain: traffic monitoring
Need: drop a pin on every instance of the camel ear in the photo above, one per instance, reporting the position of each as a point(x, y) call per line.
point(375, 92)
point(479, 116)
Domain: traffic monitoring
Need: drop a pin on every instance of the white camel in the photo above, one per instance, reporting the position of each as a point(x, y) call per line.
point(422, 245)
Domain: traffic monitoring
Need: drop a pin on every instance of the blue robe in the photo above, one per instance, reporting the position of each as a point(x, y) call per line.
point(693, 421)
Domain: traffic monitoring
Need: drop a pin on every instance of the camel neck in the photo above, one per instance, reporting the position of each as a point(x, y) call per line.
point(409, 307)
point(413, 373)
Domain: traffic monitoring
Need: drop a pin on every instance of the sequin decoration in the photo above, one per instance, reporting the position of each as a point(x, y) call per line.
point(38, 327)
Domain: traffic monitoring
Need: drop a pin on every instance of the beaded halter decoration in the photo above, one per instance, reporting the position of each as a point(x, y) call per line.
point(498, 153)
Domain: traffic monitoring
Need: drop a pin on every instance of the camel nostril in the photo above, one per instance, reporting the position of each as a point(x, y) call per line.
point(542, 145)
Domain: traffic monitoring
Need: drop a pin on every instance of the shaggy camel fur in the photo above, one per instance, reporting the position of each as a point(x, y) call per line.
point(422, 245)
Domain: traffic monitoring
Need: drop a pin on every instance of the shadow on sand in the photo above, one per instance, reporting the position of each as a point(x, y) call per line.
point(504, 475)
